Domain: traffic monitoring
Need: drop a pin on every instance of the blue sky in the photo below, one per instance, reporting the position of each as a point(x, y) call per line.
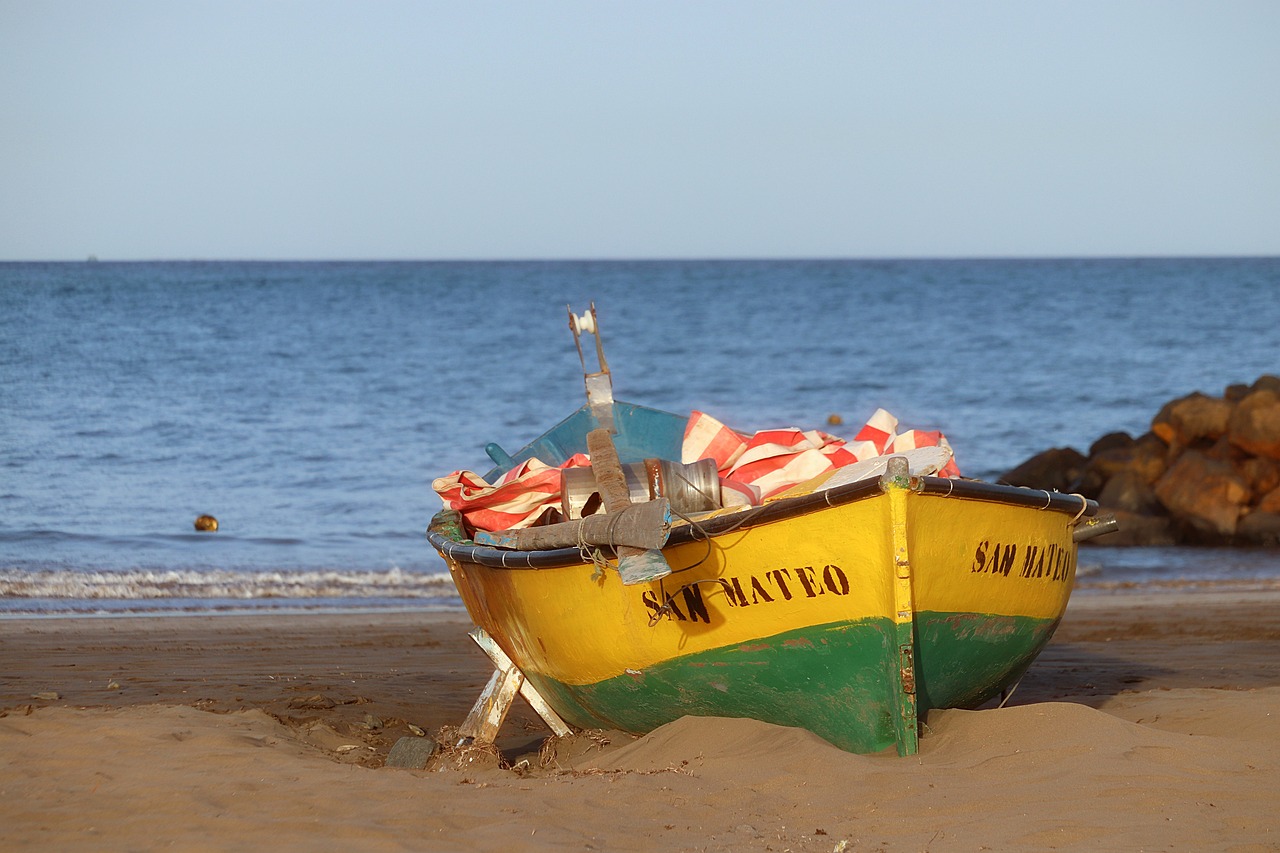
point(265, 130)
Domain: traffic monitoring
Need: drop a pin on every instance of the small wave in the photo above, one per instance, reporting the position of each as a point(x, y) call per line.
point(137, 584)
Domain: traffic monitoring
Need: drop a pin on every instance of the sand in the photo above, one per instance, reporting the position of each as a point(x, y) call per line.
point(1148, 724)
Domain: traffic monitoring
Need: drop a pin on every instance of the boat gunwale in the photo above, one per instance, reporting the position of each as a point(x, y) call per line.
point(773, 511)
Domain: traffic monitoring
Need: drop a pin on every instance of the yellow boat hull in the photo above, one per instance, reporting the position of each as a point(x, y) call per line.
point(850, 613)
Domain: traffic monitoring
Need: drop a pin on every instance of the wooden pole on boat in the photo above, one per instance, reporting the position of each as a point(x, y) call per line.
point(643, 526)
point(636, 565)
point(896, 482)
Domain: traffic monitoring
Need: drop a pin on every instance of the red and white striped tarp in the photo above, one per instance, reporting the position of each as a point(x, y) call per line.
point(516, 500)
point(752, 468)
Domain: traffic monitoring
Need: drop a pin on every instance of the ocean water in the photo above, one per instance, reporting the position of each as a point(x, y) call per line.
point(308, 406)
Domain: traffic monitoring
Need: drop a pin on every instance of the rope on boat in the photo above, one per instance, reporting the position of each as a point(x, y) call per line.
point(667, 600)
point(1006, 695)
point(706, 537)
point(594, 555)
point(1084, 506)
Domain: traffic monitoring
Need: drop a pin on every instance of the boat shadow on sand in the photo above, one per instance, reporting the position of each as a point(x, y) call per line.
point(1075, 672)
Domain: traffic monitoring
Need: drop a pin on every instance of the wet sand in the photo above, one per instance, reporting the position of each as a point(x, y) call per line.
point(1148, 723)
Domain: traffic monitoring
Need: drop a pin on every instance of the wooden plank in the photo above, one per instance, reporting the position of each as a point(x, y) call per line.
point(486, 716)
point(635, 565)
point(642, 526)
point(504, 664)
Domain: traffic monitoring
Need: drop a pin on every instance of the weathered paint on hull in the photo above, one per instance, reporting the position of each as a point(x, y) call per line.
point(965, 659)
point(831, 679)
point(848, 620)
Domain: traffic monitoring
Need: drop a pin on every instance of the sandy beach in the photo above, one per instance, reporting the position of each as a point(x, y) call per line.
point(1148, 724)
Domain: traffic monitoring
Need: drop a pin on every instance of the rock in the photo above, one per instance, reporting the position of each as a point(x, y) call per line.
point(1236, 393)
point(1130, 492)
point(1052, 470)
point(1259, 528)
point(1269, 502)
point(1144, 457)
point(1255, 424)
point(412, 752)
point(1111, 441)
point(1149, 457)
point(1205, 494)
point(1262, 474)
point(1098, 470)
point(1267, 382)
point(1196, 417)
point(1208, 472)
point(1138, 529)
point(313, 703)
point(1224, 451)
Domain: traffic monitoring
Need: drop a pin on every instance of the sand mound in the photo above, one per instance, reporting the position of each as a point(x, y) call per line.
point(714, 746)
point(1213, 733)
point(1250, 715)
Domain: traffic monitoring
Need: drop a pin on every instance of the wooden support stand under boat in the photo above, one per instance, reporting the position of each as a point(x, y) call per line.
point(487, 715)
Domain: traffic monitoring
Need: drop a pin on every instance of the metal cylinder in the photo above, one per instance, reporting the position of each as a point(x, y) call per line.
point(690, 488)
point(1100, 526)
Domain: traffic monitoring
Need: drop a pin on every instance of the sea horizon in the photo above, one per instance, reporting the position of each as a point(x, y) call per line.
point(624, 259)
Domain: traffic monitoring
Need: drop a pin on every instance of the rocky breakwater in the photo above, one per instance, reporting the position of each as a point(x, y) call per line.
point(1208, 472)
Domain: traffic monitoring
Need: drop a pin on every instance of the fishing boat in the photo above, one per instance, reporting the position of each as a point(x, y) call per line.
point(849, 605)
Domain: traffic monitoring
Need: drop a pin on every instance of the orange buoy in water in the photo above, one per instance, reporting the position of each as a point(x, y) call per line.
point(206, 523)
point(834, 420)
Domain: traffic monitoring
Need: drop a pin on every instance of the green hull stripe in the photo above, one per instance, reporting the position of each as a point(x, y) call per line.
point(967, 658)
point(835, 680)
